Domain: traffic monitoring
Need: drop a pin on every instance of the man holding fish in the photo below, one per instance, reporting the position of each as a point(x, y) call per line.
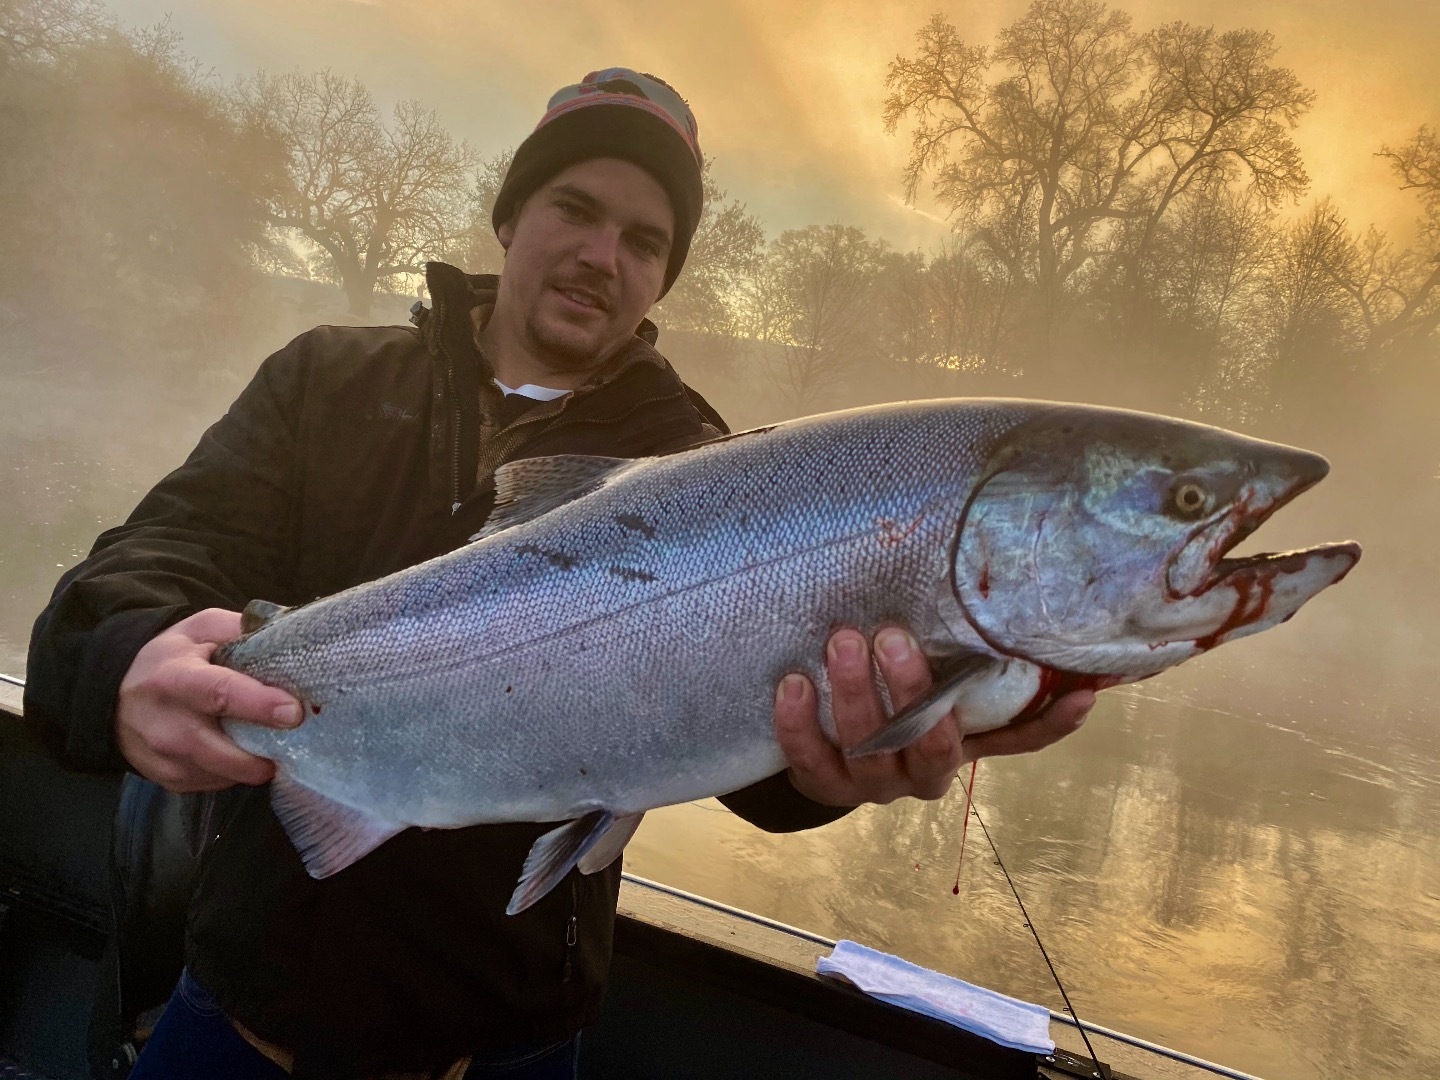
point(353, 454)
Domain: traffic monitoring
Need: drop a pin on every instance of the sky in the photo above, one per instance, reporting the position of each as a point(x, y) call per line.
point(788, 94)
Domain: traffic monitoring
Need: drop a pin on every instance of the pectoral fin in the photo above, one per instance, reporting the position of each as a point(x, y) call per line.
point(917, 721)
point(329, 835)
point(555, 854)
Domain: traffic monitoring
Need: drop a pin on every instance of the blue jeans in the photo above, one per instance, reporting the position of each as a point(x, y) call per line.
point(194, 1040)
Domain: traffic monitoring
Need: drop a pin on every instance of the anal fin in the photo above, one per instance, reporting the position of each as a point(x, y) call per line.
point(554, 855)
point(916, 721)
point(328, 835)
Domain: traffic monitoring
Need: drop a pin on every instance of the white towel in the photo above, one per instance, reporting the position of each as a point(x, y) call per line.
point(1005, 1020)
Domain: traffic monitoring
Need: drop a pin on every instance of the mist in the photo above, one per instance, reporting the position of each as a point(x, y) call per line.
point(1229, 830)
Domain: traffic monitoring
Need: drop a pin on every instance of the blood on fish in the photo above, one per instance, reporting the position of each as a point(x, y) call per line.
point(891, 532)
point(984, 582)
point(1242, 613)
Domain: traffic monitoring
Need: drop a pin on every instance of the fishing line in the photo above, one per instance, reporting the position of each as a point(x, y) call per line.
point(1100, 1070)
point(965, 828)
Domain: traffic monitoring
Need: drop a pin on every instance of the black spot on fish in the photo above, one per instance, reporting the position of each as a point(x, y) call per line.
point(314, 708)
point(509, 688)
point(630, 574)
point(556, 558)
point(637, 523)
point(584, 771)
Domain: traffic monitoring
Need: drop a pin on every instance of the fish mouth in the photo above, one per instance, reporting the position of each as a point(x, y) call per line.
point(1233, 597)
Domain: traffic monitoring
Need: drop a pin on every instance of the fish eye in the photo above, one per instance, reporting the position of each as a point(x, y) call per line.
point(1189, 499)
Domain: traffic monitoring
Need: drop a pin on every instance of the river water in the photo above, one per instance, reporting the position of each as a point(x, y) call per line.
point(1239, 859)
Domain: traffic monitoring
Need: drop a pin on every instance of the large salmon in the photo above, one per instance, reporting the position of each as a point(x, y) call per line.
point(611, 642)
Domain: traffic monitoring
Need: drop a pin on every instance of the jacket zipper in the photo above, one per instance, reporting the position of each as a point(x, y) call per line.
point(454, 399)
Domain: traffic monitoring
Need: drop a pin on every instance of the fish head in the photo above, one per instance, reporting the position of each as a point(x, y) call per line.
point(1097, 541)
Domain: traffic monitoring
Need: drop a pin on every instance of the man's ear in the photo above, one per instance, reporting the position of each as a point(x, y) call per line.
point(506, 233)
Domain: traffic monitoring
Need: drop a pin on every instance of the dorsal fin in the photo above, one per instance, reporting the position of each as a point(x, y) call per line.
point(533, 486)
point(257, 613)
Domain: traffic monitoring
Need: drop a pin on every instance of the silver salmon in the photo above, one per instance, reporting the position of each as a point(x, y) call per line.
point(611, 641)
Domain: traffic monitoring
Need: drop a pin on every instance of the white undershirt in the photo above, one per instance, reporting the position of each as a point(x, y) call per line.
point(530, 390)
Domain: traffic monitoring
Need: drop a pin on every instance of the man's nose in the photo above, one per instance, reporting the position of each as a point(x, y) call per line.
point(601, 251)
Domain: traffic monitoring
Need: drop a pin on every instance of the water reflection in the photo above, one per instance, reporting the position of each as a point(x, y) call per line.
point(1216, 882)
point(1240, 858)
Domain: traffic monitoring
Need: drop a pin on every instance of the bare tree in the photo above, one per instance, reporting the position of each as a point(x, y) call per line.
point(128, 197)
point(476, 249)
point(1312, 316)
point(1417, 163)
point(724, 253)
point(1223, 114)
point(376, 199)
point(1075, 125)
point(970, 294)
point(1020, 154)
point(1399, 294)
point(905, 320)
point(825, 277)
point(43, 29)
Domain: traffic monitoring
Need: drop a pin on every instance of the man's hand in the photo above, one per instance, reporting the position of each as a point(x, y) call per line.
point(924, 769)
point(167, 717)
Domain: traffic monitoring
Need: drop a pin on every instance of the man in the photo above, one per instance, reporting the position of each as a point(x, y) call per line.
point(354, 453)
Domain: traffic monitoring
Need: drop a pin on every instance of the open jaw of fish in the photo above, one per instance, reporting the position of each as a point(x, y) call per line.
point(1130, 572)
point(1061, 602)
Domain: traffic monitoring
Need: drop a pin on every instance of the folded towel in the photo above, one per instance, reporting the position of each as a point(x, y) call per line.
point(1005, 1020)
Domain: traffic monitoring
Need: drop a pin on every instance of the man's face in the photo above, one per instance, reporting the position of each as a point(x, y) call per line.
point(585, 259)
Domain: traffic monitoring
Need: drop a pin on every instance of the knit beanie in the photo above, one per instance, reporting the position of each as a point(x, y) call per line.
point(622, 114)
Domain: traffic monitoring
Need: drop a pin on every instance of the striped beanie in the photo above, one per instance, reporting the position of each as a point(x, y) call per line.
point(615, 113)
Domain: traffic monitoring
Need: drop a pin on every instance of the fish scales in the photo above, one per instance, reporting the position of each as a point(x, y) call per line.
point(763, 547)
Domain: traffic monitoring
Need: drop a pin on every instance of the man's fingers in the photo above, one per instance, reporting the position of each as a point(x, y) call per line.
point(906, 671)
point(907, 674)
point(216, 753)
point(1059, 720)
point(859, 712)
point(816, 767)
point(214, 626)
point(186, 779)
point(932, 761)
point(220, 692)
point(854, 703)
